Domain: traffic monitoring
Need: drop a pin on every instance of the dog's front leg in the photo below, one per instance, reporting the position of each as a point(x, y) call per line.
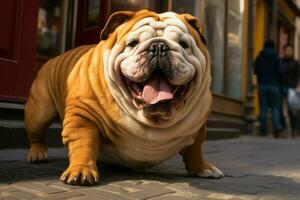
point(195, 164)
point(82, 139)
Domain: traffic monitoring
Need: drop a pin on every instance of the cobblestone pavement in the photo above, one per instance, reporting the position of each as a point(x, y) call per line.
point(254, 167)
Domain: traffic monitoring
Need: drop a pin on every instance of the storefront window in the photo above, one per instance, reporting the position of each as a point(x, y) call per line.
point(192, 7)
point(117, 5)
point(49, 27)
point(234, 48)
point(215, 21)
point(93, 13)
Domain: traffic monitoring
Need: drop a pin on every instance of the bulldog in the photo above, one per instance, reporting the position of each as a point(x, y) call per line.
point(137, 98)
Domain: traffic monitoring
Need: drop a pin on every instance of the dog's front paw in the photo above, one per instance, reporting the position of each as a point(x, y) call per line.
point(80, 174)
point(37, 154)
point(206, 171)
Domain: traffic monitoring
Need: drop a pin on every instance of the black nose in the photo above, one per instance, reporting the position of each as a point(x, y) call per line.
point(158, 49)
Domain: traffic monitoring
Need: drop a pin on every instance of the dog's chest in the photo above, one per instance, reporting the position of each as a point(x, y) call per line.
point(131, 150)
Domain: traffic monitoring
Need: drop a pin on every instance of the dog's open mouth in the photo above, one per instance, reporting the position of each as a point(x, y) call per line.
point(156, 96)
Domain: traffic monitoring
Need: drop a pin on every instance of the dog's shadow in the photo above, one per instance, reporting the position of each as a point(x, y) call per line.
point(170, 174)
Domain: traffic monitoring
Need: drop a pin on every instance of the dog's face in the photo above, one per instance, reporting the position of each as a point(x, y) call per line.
point(157, 62)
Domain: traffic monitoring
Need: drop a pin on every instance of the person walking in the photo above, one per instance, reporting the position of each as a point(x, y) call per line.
point(268, 69)
point(291, 74)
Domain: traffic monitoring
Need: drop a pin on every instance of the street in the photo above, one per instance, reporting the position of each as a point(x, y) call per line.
point(254, 168)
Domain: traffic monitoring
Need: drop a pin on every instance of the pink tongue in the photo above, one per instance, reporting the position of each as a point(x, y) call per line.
point(157, 89)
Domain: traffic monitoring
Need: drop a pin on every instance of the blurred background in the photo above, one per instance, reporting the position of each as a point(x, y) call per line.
point(34, 31)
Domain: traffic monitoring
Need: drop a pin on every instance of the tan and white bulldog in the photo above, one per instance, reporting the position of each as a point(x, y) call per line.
point(140, 96)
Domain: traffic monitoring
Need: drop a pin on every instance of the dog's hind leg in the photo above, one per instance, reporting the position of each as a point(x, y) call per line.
point(195, 164)
point(40, 112)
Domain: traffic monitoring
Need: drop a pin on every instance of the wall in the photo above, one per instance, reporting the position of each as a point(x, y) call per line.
point(297, 35)
point(259, 38)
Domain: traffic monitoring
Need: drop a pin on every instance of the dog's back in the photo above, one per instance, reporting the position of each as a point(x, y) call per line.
point(51, 79)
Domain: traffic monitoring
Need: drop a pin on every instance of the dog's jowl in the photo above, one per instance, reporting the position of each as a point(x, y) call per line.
point(138, 97)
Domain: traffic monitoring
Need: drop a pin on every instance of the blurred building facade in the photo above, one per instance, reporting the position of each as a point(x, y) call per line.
point(50, 27)
point(277, 20)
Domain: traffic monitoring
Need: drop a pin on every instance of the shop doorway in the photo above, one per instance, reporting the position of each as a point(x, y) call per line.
point(18, 20)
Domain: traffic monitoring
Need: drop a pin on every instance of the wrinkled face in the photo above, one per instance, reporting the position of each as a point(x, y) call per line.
point(159, 66)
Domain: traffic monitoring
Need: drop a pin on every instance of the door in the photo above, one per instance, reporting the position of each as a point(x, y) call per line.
point(18, 24)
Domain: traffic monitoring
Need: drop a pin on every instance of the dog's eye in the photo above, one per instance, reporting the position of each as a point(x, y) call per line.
point(133, 43)
point(184, 44)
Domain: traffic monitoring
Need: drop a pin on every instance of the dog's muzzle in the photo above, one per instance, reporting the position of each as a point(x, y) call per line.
point(159, 57)
point(156, 96)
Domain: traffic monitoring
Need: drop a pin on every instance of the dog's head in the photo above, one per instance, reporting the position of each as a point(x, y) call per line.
point(156, 65)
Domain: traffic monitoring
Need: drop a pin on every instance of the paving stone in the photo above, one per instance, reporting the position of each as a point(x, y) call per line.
point(221, 196)
point(8, 189)
point(251, 190)
point(187, 192)
point(38, 188)
point(115, 189)
point(64, 186)
point(59, 196)
point(48, 180)
point(22, 195)
point(271, 198)
point(101, 194)
point(3, 185)
point(170, 197)
point(150, 193)
point(245, 197)
point(7, 198)
point(84, 198)
point(136, 181)
point(127, 186)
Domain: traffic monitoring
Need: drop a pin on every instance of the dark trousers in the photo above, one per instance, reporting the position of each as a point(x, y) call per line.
point(293, 120)
point(269, 96)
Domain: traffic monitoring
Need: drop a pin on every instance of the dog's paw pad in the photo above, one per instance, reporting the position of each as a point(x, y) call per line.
point(80, 175)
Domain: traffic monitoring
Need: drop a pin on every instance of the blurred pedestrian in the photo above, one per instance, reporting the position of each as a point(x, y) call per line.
point(268, 69)
point(291, 74)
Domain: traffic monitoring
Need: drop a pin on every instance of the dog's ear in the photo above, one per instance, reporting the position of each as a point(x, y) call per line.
point(193, 21)
point(114, 21)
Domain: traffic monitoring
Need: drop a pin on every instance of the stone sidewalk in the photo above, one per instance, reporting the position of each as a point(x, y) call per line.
point(254, 167)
